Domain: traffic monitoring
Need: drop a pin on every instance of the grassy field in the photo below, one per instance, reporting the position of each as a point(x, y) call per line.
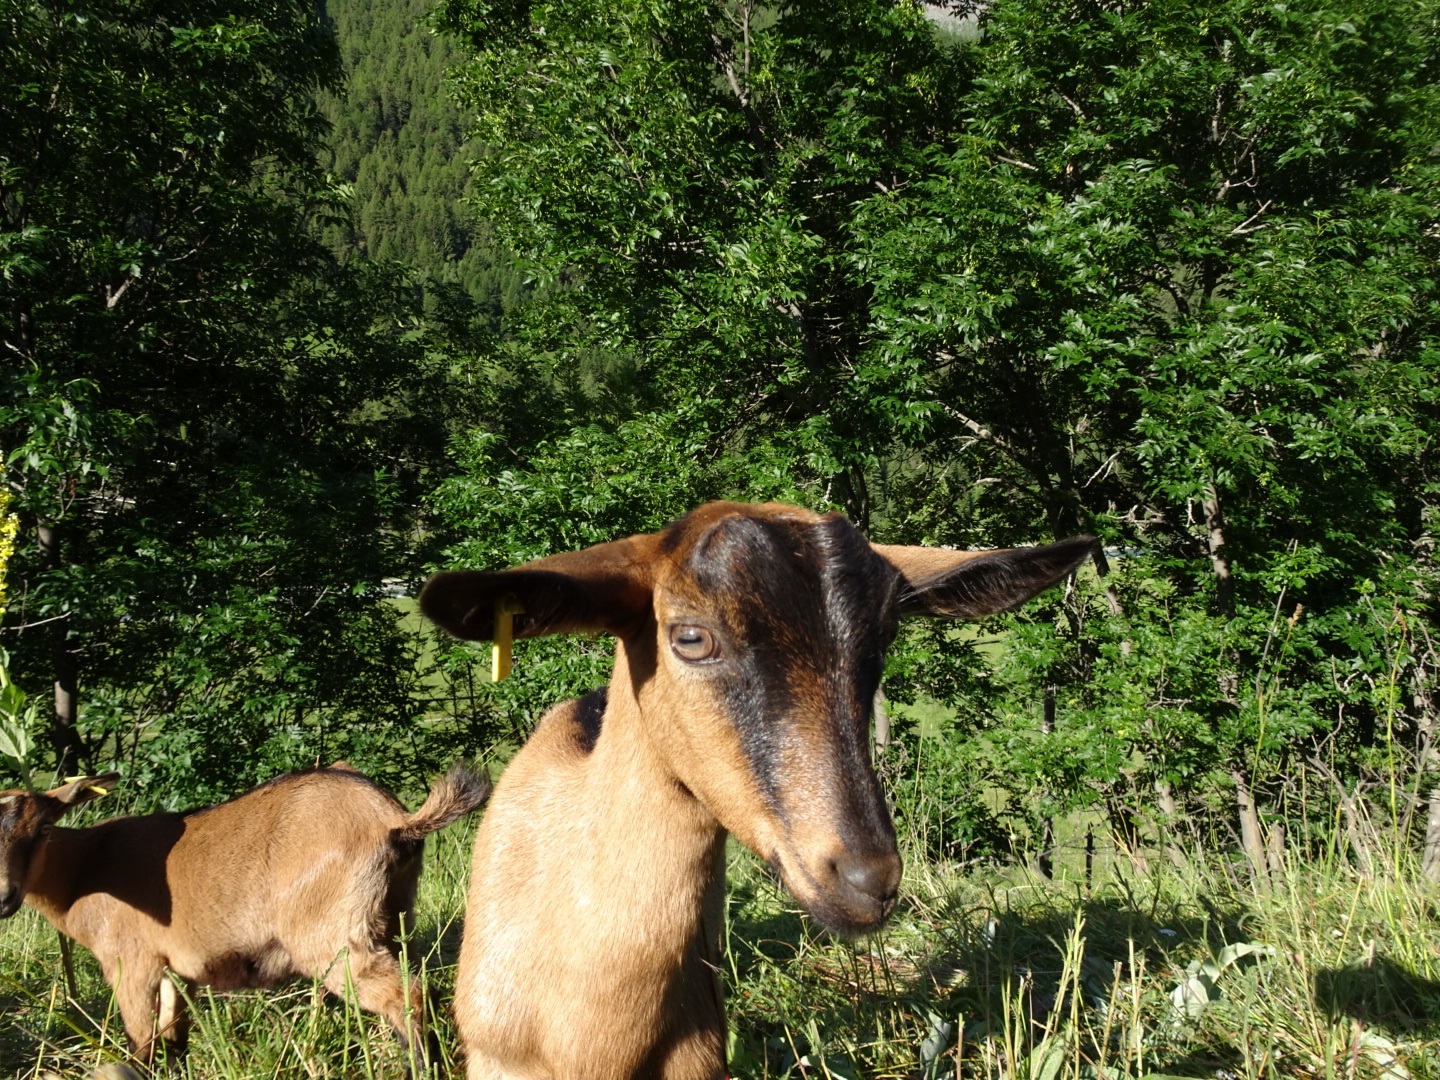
point(1320, 973)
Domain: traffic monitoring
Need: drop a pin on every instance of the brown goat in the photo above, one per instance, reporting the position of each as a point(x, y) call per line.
point(750, 644)
point(306, 876)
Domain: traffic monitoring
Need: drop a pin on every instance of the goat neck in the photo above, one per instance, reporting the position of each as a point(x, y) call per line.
point(616, 945)
point(54, 874)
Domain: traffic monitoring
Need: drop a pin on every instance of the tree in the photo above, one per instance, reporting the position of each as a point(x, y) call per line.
point(213, 431)
point(693, 172)
point(1177, 284)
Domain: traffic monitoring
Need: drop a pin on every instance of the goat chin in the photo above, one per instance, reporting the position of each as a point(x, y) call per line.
point(847, 916)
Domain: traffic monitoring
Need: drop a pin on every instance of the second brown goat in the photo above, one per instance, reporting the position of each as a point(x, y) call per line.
point(305, 876)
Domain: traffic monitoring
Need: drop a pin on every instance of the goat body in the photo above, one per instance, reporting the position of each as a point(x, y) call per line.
point(305, 876)
point(750, 643)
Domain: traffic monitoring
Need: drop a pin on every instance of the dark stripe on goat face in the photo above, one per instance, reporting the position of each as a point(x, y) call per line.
point(860, 591)
point(808, 611)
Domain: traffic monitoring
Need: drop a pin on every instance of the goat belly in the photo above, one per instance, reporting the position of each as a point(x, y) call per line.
point(261, 969)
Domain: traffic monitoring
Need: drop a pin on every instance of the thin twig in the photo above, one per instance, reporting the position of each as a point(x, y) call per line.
point(1241, 230)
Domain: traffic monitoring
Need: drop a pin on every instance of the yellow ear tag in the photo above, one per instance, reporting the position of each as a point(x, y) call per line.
point(505, 611)
point(96, 788)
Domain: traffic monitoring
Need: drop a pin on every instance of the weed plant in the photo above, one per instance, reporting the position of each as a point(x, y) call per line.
point(1193, 970)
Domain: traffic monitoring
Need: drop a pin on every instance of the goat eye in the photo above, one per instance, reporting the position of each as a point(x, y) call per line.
point(693, 643)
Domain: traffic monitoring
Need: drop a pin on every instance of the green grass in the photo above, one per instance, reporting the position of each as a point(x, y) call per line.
point(1014, 976)
point(1046, 981)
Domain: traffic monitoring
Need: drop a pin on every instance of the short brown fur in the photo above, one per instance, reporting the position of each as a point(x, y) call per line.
point(593, 924)
point(306, 876)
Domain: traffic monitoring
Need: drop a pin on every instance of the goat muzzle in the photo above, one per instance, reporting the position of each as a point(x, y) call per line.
point(852, 892)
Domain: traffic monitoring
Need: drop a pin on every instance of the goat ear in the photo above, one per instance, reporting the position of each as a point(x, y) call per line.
point(606, 588)
point(83, 789)
point(973, 584)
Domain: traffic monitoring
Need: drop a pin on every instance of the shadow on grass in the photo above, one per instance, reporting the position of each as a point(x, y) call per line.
point(440, 944)
point(976, 956)
point(994, 950)
point(1379, 992)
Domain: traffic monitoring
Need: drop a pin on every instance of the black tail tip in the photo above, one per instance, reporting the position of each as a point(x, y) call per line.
point(471, 786)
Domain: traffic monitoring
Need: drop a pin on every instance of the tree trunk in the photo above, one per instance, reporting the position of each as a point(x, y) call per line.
point(1356, 835)
point(1170, 818)
point(1112, 597)
point(70, 750)
point(855, 494)
point(1089, 857)
point(1425, 701)
point(1044, 864)
point(1219, 559)
point(1275, 849)
point(882, 722)
point(1224, 584)
point(1249, 826)
point(1430, 863)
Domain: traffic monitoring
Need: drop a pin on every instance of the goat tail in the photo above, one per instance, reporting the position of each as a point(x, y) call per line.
point(452, 796)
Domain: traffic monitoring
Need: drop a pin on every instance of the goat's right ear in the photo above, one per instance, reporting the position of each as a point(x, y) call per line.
point(603, 589)
point(82, 789)
point(973, 584)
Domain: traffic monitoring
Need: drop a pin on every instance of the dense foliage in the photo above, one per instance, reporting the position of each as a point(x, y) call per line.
point(398, 142)
point(1111, 268)
point(214, 434)
point(1117, 268)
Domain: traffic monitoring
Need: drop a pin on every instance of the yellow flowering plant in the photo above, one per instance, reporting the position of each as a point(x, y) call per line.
point(9, 526)
point(17, 716)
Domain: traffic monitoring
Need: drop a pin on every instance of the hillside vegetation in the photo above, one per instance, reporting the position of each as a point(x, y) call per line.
point(400, 143)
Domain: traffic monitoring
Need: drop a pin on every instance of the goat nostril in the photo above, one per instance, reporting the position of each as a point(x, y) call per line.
point(877, 876)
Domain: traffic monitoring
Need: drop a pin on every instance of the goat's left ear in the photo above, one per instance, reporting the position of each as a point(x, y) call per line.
point(83, 789)
point(973, 584)
point(602, 589)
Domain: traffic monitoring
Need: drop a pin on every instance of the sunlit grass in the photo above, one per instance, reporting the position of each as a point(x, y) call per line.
point(1005, 975)
point(979, 974)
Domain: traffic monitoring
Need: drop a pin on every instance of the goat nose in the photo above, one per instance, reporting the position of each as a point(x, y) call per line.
point(876, 874)
point(9, 903)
